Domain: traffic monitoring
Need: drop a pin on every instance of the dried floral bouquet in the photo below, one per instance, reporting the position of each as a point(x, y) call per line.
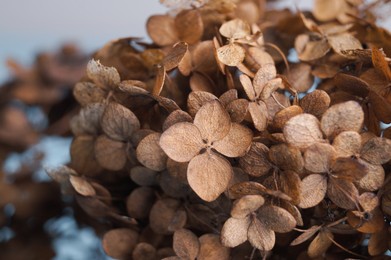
point(210, 144)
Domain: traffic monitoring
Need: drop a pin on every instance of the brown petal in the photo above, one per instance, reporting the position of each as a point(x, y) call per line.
point(326, 10)
point(189, 26)
point(263, 75)
point(372, 223)
point(87, 92)
point(347, 116)
point(143, 176)
point(300, 76)
point(306, 235)
point(276, 218)
point(110, 154)
point(200, 82)
point(162, 214)
point(235, 29)
point(315, 103)
point(181, 142)
point(291, 185)
point(82, 186)
point(150, 154)
point(118, 122)
point(347, 143)
point(380, 63)
point(228, 97)
point(318, 157)
point(213, 121)
point(270, 87)
point(373, 178)
point(368, 201)
point(343, 193)
point(248, 87)
point(313, 190)
point(211, 248)
point(234, 231)
point(186, 244)
point(83, 159)
point(309, 50)
point(282, 116)
point(246, 205)
point(320, 244)
point(231, 54)
point(377, 150)
point(175, 55)
point(378, 243)
point(161, 29)
point(197, 99)
point(344, 41)
point(236, 142)
point(302, 131)
point(104, 77)
point(209, 175)
point(258, 112)
point(140, 202)
point(256, 162)
point(237, 110)
point(144, 251)
point(119, 243)
point(286, 157)
point(260, 236)
point(88, 120)
point(175, 117)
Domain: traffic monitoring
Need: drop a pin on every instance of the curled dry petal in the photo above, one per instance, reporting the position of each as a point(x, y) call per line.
point(347, 116)
point(344, 41)
point(309, 50)
point(236, 142)
point(104, 77)
point(234, 231)
point(245, 205)
point(320, 244)
point(260, 236)
point(266, 73)
point(213, 121)
point(235, 29)
point(313, 190)
point(208, 175)
point(82, 186)
point(181, 142)
point(248, 87)
point(302, 131)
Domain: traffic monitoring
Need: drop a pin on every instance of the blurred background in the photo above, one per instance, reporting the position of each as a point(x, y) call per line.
point(26, 29)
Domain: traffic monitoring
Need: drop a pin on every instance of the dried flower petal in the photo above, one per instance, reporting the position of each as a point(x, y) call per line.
point(110, 154)
point(234, 231)
point(150, 154)
point(302, 131)
point(313, 190)
point(276, 218)
point(318, 157)
point(255, 162)
point(245, 205)
point(260, 236)
point(209, 175)
point(231, 54)
point(236, 142)
point(320, 244)
point(104, 77)
point(186, 244)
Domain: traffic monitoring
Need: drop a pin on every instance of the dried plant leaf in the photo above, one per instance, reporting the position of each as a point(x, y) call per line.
point(347, 116)
point(260, 236)
point(104, 77)
point(236, 142)
point(181, 142)
point(320, 244)
point(305, 235)
point(231, 54)
point(189, 26)
point(313, 190)
point(213, 121)
point(234, 231)
point(118, 122)
point(246, 205)
point(186, 244)
point(302, 131)
point(209, 175)
point(276, 218)
point(315, 103)
point(318, 157)
point(161, 30)
point(255, 162)
point(110, 154)
point(347, 143)
point(376, 151)
point(82, 186)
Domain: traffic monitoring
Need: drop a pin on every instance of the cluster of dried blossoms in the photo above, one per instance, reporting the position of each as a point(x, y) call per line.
point(208, 144)
point(34, 103)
